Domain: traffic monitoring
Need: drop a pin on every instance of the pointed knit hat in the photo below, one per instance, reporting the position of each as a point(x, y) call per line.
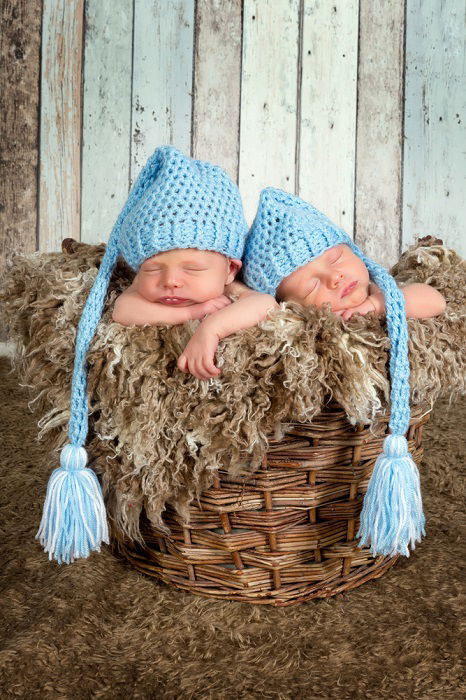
point(176, 202)
point(286, 234)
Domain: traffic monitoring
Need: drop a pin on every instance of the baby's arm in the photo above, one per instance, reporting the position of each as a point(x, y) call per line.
point(251, 307)
point(132, 309)
point(421, 301)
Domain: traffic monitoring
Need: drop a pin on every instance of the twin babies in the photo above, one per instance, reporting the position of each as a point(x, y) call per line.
point(182, 230)
point(292, 253)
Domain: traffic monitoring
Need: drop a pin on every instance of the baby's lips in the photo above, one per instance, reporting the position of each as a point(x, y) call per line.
point(349, 288)
point(173, 301)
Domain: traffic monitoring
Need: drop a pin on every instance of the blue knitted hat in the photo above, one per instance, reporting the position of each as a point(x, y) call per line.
point(286, 234)
point(176, 202)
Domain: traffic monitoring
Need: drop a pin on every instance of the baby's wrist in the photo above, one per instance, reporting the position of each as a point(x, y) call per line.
point(209, 326)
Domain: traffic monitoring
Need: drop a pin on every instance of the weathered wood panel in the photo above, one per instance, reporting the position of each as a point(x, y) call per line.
point(60, 122)
point(162, 77)
point(379, 129)
point(217, 70)
point(327, 147)
point(19, 126)
point(289, 101)
point(268, 98)
point(106, 115)
point(434, 183)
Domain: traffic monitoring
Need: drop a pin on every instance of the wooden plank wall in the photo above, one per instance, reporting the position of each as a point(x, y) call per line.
point(434, 181)
point(60, 123)
point(19, 126)
point(358, 106)
point(379, 130)
point(328, 108)
point(106, 116)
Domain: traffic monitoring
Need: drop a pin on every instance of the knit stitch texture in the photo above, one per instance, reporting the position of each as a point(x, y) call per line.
point(179, 202)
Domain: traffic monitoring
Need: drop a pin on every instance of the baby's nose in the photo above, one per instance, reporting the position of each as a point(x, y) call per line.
point(172, 279)
point(336, 279)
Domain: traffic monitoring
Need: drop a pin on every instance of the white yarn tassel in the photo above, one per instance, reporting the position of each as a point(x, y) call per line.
point(74, 520)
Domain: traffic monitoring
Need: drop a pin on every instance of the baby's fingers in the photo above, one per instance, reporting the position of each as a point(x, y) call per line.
point(221, 303)
point(194, 367)
point(209, 368)
point(347, 314)
point(182, 363)
point(201, 371)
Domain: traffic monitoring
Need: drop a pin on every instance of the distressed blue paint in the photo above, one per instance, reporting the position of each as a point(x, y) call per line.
point(106, 116)
point(435, 119)
point(162, 77)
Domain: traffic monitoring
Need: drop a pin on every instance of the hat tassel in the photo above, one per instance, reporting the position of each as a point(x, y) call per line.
point(392, 516)
point(73, 521)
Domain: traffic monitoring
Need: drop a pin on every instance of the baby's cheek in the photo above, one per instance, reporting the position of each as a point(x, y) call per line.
point(146, 288)
point(354, 299)
point(204, 289)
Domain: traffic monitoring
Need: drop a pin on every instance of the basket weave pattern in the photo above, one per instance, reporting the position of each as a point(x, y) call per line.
point(285, 533)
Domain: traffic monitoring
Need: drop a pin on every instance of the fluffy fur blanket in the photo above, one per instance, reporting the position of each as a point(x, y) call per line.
point(156, 435)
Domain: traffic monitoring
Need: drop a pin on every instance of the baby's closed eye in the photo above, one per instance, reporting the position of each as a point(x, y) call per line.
point(335, 254)
point(311, 285)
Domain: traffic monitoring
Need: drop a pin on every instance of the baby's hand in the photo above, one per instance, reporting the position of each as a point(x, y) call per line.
point(210, 306)
point(198, 355)
point(216, 304)
point(364, 308)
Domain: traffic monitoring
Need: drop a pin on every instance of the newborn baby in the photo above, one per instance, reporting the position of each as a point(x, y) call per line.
point(296, 253)
point(340, 278)
point(182, 231)
point(177, 286)
point(186, 284)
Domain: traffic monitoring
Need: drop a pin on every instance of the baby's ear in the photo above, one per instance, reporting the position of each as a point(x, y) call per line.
point(234, 266)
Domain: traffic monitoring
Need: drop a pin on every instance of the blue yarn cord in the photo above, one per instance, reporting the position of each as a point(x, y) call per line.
point(74, 520)
point(392, 519)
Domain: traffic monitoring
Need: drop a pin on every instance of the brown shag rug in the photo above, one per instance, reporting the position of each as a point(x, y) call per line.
point(98, 629)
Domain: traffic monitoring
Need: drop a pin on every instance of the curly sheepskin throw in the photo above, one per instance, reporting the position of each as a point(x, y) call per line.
point(157, 436)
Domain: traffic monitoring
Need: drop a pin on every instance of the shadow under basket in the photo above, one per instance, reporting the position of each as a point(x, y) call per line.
point(284, 534)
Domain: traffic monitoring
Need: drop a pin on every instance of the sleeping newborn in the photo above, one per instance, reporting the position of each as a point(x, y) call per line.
point(340, 278)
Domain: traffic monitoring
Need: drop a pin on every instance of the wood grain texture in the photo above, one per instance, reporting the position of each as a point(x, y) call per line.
point(268, 98)
point(217, 70)
point(379, 129)
point(434, 182)
point(106, 116)
point(60, 122)
point(327, 147)
point(162, 77)
point(276, 142)
point(19, 126)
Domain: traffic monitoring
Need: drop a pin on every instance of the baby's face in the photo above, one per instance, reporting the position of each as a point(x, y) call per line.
point(337, 277)
point(183, 277)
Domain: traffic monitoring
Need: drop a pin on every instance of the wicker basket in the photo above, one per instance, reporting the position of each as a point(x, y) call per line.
point(284, 534)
